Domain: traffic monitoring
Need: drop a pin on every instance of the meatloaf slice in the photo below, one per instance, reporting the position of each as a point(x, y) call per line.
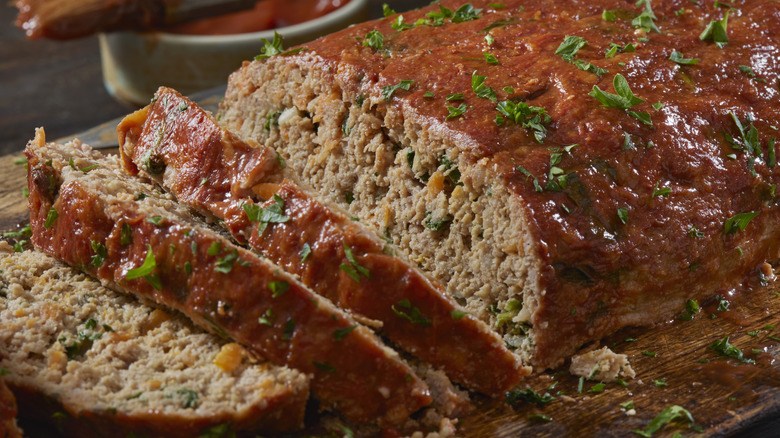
point(87, 212)
point(181, 147)
point(564, 171)
point(114, 364)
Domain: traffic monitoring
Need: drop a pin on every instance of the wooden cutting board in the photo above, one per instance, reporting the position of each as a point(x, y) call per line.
point(725, 397)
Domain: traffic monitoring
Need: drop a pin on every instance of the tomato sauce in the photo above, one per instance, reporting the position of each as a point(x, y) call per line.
point(267, 14)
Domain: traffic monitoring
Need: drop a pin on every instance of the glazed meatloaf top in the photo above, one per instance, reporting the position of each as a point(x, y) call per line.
point(638, 138)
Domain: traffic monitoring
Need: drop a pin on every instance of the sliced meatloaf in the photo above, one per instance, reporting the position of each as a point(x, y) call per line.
point(566, 168)
point(87, 212)
point(180, 146)
point(111, 363)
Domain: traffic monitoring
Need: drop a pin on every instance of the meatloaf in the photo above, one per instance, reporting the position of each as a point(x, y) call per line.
point(85, 211)
point(96, 363)
point(566, 168)
point(180, 146)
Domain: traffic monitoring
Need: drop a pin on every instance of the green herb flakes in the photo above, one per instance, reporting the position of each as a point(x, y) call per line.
point(456, 111)
point(570, 46)
point(457, 315)
point(387, 91)
point(668, 415)
point(341, 333)
point(278, 288)
point(50, 218)
point(100, 253)
point(353, 269)
point(405, 310)
point(716, 31)
point(738, 222)
point(528, 395)
point(305, 252)
point(274, 47)
point(190, 398)
point(374, 39)
point(726, 349)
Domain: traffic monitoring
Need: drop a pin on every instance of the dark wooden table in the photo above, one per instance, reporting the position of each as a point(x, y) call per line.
point(59, 85)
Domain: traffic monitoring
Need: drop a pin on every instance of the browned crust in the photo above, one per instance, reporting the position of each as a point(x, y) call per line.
point(354, 374)
point(193, 148)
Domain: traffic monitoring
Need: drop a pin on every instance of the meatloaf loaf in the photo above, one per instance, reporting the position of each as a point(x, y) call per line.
point(566, 168)
point(181, 147)
point(85, 211)
point(111, 366)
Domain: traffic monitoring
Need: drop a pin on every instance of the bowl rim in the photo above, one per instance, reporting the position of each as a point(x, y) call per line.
point(343, 13)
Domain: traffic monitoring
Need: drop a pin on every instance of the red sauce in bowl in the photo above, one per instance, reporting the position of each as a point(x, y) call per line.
point(267, 14)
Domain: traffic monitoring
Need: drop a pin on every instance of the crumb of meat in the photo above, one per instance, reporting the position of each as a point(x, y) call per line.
point(603, 365)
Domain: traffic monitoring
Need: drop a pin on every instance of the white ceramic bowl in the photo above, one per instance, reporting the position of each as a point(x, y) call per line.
point(135, 64)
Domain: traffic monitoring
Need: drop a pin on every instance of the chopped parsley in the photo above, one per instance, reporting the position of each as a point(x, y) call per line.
point(457, 315)
point(660, 382)
point(353, 269)
point(305, 251)
point(570, 46)
point(528, 174)
point(50, 218)
point(680, 59)
point(646, 19)
point(668, 415)
point(528, 117)
point(608, 15)
point(278, 288)
point(387, 91)
point(490, 58)
point(528, 395)
point(214, 248)
point(146, 270)
point(480, 88)
point(436, 225)
point(341, 333)
point(726, 349)
point(100, 253)
point(665, 192)
point(456, 111)
point(597, 388)
point(266, 318)
point(324, 367)
point(374, 39)
point(289, 329)
point(126, 235)
point(404, 309)
point(622, 214)
point(624, 99)
point(716, 32)
point(157, 220)
point(540, 417)
point(456, 96)
point(649, 353)
point(274, 47)
point(273, 213)
point(627, 405)
point(738, 222)
point(225, 264)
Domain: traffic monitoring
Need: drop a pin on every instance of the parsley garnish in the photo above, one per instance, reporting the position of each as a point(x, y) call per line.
point(278, 288)
point(305, 251)
point(490, 58)
point(649, 353)
point(289, 329)
point(387, 91)
point(607, 15)
point(404, 309)
point(456, 111)
point(100, 253)
point(353, 269)
point(669, 414)
point(738, 222)
point(274, 48)
point(324, 367)
point(622, 214)
point(266, 318)
point(528, 395)
point(679, 59)
point(716, 31)
point(341, 333)
point(146, 269)
point(374, 39)
point(225, 264)
point(436, 225)
point(126, 236)
point(665, 192)
point(214, 248)
point(456, 96)
point(528, 117)
point(624, 99)
point(528, 174)
point(725, 349)
point(570, 46)
point(273, 213)
point(50, 218)
point(457, 315)
point(155, 220)
point(645, 20)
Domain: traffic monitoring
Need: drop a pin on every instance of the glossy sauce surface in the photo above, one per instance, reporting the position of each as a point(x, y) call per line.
point(603, 270)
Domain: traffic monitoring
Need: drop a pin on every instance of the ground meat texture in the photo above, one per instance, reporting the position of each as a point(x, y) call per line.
point(554, 245)
point(213, 171)
point(224, 288)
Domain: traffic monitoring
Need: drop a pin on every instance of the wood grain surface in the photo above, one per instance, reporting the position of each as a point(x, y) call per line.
point(725, 397)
